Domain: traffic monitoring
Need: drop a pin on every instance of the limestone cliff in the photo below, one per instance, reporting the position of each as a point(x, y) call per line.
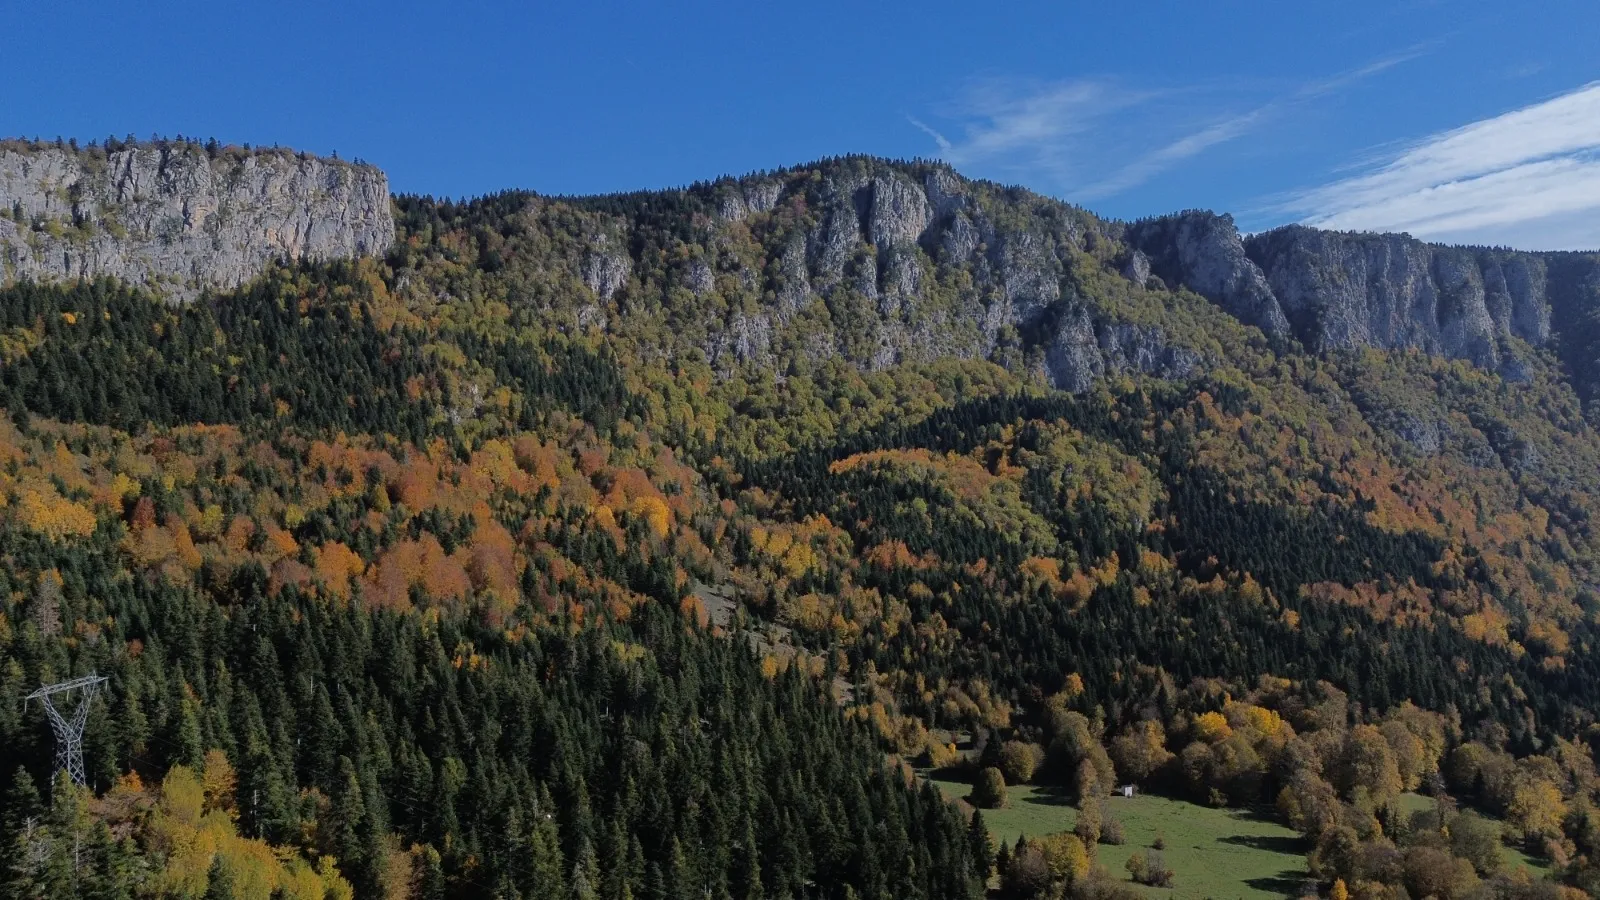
point(1203, 251)
point(872, 263)
point(876, 263)
point(857, 260)
point(1340, 291)
point(1393, 291)
point(177, 218)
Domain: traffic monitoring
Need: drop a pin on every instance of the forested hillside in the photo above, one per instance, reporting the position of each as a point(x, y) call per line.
point(640, 546)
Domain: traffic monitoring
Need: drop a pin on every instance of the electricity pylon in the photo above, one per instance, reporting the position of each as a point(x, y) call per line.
point(69, 732)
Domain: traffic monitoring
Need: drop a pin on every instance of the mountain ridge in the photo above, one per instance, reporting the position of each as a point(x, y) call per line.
point(879, 233)
point(869, 235)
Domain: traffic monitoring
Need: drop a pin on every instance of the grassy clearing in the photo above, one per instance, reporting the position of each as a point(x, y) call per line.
point(1215, 853)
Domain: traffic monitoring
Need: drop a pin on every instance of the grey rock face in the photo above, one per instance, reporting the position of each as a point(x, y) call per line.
point(1073, 360)
point(878, 263)
point(1392, 291)
point(1132, 348)
point(1518, 286)
point(605, 269)
point(945, 192)
point(831, 245)
point(1084, 349)
point(877, 234)
point(592, 315)
point(899, 212)
point(1030, 275)
point(961, 239)
point(699, 277)
point(795, 283)
point(178, 221)
point(1203, 251)
point(741, 199)
point(1137, 268)
point(865, 276)
point(1425, 436)
point(901, 274)
point(749, 337)
point(1389, 291)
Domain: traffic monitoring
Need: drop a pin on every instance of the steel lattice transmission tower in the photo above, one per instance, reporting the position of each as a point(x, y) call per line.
point(69, 732)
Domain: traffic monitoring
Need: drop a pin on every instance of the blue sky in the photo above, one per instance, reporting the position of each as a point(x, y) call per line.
point(1464, 121)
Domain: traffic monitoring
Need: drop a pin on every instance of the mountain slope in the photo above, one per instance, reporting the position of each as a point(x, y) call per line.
point(1404, 442)
point(967, 460)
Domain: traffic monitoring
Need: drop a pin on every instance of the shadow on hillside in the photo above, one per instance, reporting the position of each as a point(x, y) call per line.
point(1256, 814)
point(1286, 883)
point(1050, 795)
point(1274, 843)
point(957, 774)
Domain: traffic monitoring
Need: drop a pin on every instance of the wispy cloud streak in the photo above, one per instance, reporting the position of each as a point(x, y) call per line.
point(1160, 160)
point(1032, 127)
point(1502, 180)
point(1094, 138)
point(1165, 157)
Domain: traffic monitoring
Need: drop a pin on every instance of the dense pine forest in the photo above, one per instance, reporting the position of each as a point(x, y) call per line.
point(532, 561)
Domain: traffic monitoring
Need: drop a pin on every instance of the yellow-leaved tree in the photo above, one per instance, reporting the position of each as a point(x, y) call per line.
point(191, 833)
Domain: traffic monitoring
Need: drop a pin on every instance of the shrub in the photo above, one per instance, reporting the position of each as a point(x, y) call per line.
point(1159, 873)
point(1087, 828)
point(1019, 761)
point(1150, 869)
point(1101, 886)
point(1066, 856)
point(939, 755)
point(1111, 832)
point(989, 790)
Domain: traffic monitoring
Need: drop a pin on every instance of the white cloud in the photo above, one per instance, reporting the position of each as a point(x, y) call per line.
point(1529, 178)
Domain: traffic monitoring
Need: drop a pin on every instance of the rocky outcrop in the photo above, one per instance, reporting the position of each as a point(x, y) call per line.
point(1572, 284)
point(1392, 291)
point(894, 230)
point(1335, 291)
point(699, 278)
point(1136, 268)
point(1203, 252)
point(880, 264)
point(178, 219)
point(605, 267)
point(738, 200)
point(898, 212)
point(885, 232)
point(1085, 348)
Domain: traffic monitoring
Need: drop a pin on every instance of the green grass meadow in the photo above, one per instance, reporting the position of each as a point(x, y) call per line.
point(1214, 853)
